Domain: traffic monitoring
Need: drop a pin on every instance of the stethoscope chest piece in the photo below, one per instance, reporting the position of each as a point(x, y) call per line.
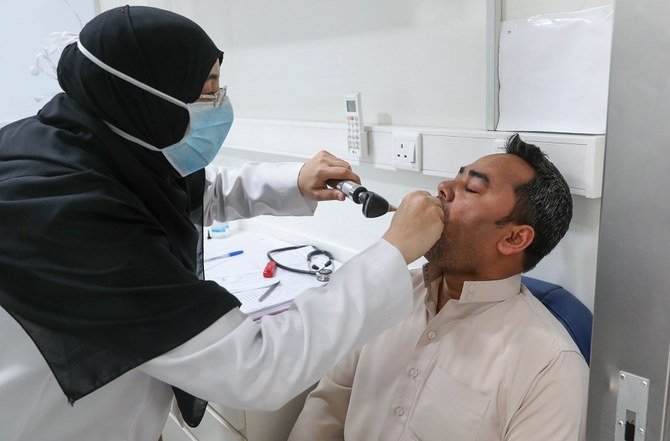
point(323, 275)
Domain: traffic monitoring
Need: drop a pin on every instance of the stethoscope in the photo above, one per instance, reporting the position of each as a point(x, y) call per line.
point(322, 272)
point(373, 206)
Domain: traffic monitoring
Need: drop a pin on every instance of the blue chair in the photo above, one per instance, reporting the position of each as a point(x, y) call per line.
point(572, 313)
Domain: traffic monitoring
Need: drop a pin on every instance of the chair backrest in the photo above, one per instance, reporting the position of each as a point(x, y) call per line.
point(572, 313)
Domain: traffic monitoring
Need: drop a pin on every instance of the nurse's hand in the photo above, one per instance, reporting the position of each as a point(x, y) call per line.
point(322, 167)
point(417, 225)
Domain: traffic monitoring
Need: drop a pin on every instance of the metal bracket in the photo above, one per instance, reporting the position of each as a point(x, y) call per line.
point(631, 408)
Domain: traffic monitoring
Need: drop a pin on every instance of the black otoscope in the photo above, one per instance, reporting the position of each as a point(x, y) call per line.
point(373, 204)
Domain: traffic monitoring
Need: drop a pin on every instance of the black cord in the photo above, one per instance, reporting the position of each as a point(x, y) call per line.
point(288, 268)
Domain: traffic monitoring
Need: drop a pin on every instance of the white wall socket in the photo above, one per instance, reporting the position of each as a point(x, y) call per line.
point(407, 151)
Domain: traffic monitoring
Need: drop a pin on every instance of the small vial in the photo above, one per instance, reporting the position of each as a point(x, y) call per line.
point(219, 230)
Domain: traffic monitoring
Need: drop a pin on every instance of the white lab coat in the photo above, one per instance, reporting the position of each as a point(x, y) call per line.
point(235, 362)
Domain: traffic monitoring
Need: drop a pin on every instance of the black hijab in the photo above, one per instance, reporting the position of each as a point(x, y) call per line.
point(100, 238)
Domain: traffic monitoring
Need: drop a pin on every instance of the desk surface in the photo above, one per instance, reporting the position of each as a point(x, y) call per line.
point(242, 274)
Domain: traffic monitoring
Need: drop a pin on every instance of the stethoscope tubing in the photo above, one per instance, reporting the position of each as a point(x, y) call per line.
point(288, 268)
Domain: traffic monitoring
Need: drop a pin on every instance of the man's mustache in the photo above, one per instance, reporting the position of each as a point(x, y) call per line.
point(445, 208)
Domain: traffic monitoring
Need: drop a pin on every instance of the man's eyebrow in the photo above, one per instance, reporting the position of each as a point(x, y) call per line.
point(483, 176)
point(213, 76)
point(475, 174)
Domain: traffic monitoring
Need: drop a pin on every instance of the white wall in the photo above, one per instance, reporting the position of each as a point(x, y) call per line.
point(23, 25)
point(296, 59)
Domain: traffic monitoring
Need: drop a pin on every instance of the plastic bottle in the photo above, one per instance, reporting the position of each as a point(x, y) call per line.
point(219, 230)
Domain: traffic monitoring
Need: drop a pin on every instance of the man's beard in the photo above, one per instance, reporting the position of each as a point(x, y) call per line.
point(441, 255)
point(432, 253)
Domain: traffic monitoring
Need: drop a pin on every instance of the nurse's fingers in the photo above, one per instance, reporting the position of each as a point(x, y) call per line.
point(321, 168)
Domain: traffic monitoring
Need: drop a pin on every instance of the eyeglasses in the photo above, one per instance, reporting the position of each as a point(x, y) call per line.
point(217, 98)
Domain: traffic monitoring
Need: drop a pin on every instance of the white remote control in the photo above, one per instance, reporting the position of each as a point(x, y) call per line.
point(357, 137)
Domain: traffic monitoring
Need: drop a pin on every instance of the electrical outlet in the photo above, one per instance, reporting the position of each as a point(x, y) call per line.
point(407, 151)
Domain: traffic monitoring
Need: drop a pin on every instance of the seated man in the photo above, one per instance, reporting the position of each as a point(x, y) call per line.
point(479, 358)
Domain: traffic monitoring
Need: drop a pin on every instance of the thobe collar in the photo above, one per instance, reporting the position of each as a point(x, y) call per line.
point(483, 291)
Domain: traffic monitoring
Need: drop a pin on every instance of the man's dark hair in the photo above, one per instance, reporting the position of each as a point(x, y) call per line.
point(544, 202)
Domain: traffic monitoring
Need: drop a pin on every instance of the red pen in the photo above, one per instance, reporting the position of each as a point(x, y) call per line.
point(270, 269)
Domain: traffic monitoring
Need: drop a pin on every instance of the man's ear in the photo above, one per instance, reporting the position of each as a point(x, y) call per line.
point(517, 239)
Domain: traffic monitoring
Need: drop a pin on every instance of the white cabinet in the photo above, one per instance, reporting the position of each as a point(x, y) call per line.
point(580, 158)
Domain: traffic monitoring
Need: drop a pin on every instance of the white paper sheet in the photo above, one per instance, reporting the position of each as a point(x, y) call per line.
point(554, 72)
point(242, 275)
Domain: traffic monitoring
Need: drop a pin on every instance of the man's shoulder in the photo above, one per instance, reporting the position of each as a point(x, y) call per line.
point(541, 328)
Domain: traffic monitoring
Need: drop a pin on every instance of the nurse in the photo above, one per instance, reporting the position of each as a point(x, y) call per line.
point(104, 315)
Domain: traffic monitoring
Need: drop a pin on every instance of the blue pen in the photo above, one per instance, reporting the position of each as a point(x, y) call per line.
point(231, 254)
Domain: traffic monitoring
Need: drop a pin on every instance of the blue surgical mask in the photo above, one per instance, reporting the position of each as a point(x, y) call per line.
point(208, 127)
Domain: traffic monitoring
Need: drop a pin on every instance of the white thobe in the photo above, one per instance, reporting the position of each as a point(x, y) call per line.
point(493, 365)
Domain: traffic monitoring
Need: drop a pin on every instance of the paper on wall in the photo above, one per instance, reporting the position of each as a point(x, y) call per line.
point(554, 72)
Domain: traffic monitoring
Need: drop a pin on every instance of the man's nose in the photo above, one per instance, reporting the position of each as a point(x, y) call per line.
point(446, 190)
